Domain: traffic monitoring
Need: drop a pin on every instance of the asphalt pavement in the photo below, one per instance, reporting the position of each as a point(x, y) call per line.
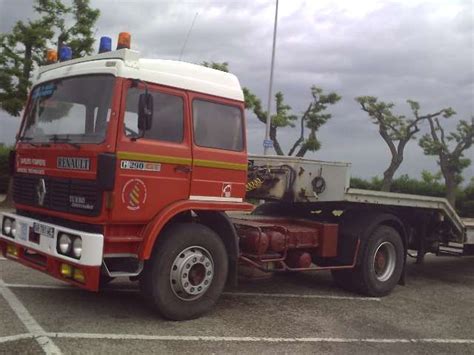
point(293, 313)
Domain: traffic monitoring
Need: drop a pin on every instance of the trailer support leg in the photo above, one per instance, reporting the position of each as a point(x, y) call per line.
point(420, 255)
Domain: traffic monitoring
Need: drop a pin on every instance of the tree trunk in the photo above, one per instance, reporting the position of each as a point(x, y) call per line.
point(302, 151)
point(301, 138)
point(304, 147)
point(276, 144)
point(450, 180)
point(389, 173)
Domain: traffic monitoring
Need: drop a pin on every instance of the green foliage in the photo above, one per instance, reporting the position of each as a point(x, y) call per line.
point(27, 42)
point(19, 49)
point(4, 176)
point(380, 113)
point(224, 66)
point(79, 35)
point(314, 117)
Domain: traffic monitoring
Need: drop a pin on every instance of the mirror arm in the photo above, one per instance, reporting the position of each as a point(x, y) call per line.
point(135, 83)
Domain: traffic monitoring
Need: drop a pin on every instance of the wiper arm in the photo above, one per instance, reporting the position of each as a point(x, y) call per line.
point(24, 138)
point(28, 139)
point(67, 140)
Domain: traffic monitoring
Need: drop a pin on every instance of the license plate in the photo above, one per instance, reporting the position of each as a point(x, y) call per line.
point(43, 229)
point(23, 231)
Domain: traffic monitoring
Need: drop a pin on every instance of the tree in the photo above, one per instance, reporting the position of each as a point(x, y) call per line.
point(26, 45)
point(450, 150)
point(396, 130)
point(21, 48)
point(313, 118)
point(80, 35)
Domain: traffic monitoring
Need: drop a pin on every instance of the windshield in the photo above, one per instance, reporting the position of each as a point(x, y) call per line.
point(74, 110)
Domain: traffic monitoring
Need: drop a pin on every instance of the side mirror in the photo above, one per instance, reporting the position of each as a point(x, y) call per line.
point(145, 111)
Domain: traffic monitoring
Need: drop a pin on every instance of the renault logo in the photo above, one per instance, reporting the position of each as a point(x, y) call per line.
point(41, 191)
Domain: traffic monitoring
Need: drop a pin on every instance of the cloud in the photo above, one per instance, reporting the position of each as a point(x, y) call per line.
point(395, 50)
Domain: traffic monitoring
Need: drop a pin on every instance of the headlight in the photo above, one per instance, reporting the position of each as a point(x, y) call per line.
point(13, 229)
point(65, 244)
point(7, 226)
point(77, 247)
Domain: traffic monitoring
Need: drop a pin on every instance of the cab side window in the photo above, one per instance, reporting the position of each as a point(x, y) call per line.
point(168, 120)
point(217, 125)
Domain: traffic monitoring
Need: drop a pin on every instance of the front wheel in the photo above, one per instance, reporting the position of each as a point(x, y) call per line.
point(380, 264)
point(186, 273)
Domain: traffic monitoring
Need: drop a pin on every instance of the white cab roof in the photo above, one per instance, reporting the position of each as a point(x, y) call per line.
point(128, 64)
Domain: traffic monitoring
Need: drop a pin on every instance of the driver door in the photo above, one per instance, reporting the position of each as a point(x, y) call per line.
point(154, 170)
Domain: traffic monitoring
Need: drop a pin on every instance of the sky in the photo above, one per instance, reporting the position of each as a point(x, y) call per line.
point(395, 50)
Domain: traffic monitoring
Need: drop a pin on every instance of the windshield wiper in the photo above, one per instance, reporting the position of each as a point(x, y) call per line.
point(67, 140)
point(28, 139)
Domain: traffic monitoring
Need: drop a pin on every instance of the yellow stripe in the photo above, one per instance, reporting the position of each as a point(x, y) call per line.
point(175, 160)
point(219, 164)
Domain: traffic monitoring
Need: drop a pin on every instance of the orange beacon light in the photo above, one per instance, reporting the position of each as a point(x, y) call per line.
point(123, 40)
point(51, 56)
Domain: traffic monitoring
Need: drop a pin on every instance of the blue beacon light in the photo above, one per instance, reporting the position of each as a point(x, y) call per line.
point(105, 44)
point(65, 53)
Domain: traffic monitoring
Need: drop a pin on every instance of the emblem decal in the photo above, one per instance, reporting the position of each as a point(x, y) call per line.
point(134, 194)
point(226, 190)
point(41, 191)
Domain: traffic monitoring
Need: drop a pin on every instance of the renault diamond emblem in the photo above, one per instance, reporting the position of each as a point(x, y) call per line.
point(41, 191)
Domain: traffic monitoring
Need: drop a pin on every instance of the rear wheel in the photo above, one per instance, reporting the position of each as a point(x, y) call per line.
point(187, 272)
point(380, 264)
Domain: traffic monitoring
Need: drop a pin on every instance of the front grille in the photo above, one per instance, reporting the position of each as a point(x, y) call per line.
point(66, 195)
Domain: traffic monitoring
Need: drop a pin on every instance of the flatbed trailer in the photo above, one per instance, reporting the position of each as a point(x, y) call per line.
point(319, 191)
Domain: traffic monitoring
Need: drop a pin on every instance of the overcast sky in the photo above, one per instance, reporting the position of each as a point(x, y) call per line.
point(422, 50)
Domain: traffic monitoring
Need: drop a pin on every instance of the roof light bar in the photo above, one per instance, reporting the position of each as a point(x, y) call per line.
point(105, 44)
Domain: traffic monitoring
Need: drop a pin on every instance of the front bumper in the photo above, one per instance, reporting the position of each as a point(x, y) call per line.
point(41, 254)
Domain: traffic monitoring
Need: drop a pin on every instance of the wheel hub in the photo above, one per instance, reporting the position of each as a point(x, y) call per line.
point(191, 273)
point(384, 261)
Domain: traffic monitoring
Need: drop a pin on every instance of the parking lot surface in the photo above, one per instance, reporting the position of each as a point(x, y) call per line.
point(293, 313)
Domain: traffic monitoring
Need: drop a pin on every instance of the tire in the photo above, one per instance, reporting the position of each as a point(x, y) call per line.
point(380, 264)
point(186, 273)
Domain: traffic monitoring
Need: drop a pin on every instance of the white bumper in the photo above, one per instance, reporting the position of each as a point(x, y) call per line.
point(92, 243)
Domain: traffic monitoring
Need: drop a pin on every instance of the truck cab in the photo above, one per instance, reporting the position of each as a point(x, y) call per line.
point(93, 186)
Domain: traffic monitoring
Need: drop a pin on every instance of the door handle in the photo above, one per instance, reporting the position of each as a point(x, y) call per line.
point(183, 169)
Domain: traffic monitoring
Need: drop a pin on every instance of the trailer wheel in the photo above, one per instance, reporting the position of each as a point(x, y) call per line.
point(186, 273)
point(380, 264)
